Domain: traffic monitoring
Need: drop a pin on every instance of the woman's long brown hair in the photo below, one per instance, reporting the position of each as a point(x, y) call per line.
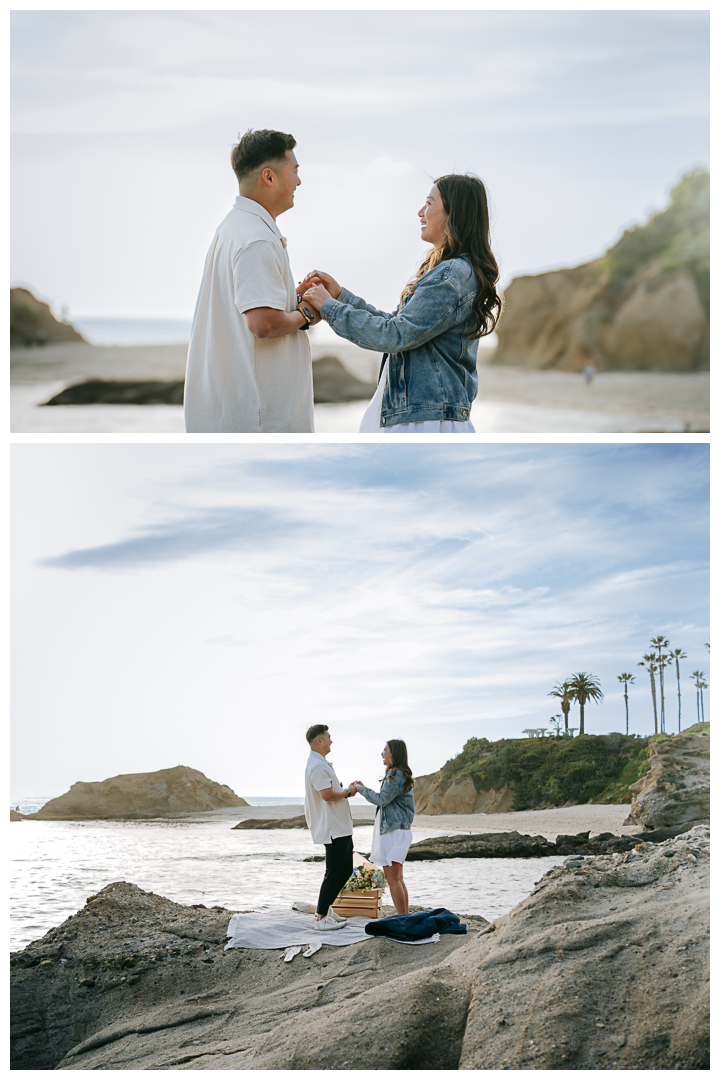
point(465, 202)
point(398, 752)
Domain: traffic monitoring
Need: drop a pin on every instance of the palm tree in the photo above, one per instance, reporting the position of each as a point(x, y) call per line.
point(648, 661)
point(703, 686)
point(662, 661)
point(677, 655)
point(564, 692)
point(585, 688)
point(626, 678)
point(699, 676)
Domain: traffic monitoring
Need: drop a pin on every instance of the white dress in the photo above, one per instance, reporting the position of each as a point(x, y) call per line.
point(371, 421)
point(389, 847)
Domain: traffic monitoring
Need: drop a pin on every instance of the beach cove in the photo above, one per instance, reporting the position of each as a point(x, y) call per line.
point(199, 858)
point(510, 399)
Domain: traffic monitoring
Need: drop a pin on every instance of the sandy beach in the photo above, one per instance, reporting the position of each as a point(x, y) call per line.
point(512, 400)
point(548, 823)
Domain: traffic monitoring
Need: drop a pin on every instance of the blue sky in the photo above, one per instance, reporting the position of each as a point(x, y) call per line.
point(123, 121)
point(203, 605)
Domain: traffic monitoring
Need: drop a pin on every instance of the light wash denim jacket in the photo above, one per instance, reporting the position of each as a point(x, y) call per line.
point(397, 808)
point(431, 362)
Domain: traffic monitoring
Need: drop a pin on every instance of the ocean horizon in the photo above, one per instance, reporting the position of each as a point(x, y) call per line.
point(118, 331)
point(30, 804)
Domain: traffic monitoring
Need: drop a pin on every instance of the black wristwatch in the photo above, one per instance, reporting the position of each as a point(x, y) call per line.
point(307, 315)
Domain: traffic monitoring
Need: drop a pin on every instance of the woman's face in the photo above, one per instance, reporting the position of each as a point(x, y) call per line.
point(387, 757)
point(433, 218)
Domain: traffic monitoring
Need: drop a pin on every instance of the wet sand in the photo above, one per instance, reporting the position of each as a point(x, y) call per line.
point(511, 400)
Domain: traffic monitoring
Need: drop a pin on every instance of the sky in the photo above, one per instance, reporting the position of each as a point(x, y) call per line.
point(579, 122)
point(204, 605)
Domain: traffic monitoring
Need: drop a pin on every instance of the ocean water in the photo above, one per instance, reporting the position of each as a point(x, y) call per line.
point(56, 865)
point(98, 331)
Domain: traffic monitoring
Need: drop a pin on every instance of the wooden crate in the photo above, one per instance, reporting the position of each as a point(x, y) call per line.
point(364, 902)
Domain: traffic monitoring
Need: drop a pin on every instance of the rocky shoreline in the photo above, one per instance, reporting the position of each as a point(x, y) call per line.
point(515, 845)
point(604, 965)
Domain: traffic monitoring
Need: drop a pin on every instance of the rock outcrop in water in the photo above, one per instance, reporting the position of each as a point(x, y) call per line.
point(515, 845)
point(139, 795)
point(32, 322)
point(644, 305)
point(281, 823)
point(676, 790)
point(603, 966)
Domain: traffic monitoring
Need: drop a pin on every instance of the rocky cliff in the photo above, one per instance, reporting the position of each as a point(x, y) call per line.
point(603, 966)
point(457, 795)
point(525, 774)
point(644, 305)
point(676, 789)
point(139, 795)
point(32, 322)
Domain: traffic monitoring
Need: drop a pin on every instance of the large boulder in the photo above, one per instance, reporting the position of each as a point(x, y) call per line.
point(603, 966)
point(676, 789)
point(643, 305)
point(140, 795)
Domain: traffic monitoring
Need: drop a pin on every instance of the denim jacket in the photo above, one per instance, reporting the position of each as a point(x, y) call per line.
point(397, 808)
point(431, 362)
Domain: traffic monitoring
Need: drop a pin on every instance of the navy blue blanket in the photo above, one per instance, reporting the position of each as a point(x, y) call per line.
point(420, 924)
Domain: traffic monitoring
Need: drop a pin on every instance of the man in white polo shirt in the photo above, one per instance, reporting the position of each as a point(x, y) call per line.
point(328, 816)
point(249, 366)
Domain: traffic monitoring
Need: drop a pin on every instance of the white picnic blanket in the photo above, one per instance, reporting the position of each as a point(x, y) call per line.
point(282, 927)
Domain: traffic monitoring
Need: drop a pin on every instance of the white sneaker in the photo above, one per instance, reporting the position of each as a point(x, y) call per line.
point(336, 918)
point(328, 924)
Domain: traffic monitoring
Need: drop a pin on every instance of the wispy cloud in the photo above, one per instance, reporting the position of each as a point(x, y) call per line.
point(382, 589)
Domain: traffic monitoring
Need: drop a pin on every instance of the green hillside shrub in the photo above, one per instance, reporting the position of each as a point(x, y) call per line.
point(554, 771)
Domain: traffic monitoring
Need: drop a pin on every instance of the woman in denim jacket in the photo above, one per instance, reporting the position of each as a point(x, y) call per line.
point(428, 377)
point(396, 809)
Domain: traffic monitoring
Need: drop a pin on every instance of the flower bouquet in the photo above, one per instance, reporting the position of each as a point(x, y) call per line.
point(365, 877)
point(362, 893)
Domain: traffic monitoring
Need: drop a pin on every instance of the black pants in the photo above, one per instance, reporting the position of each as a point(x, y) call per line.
point(338, 868)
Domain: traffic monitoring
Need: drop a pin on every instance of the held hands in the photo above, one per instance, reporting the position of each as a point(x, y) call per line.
point(317, 287)
point(352, 788)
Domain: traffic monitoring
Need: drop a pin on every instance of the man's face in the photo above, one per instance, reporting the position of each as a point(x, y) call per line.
point(323, 743)
point(287, 180)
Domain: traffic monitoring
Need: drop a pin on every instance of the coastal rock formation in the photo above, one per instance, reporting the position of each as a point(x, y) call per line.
point(603, 966)
point(121, 392)
point(515, 845)
point(332, 382)
point(139, 795)
point(500, 845)
point(263, 823)
point(643, 305)
point(457, 795)
point(676, 789)
point(15, 816)
point(32, 322)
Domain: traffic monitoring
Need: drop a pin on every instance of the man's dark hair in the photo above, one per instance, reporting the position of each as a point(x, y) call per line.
point(312, 732)
point(258, 148)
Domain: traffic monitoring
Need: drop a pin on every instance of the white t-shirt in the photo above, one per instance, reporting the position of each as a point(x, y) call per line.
point(326, 820)
point(235, 381)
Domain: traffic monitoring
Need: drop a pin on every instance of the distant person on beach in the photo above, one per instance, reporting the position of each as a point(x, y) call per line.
point(328, 816)
point(249, 367)
point(588, 371)
point(428, 377)
point(396, 809)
